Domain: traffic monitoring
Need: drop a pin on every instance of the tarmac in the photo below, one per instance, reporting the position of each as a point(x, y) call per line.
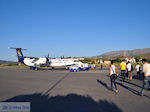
point(59, 90)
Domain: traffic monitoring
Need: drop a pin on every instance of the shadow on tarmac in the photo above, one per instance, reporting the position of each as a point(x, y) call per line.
point(104, 84)
point(131, 83)
point(59, 81)
point(130, 89)
point(138, 78)
point(69, 103)
point(120, 84)
point(49, 68)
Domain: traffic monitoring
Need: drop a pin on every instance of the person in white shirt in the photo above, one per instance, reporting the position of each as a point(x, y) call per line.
point(113, 73)
point(138, 70)
point(129, 68)
point(146, 70)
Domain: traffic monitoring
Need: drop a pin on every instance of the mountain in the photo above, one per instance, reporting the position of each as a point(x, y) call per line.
point(129, 53)
point(145, 55)
point(7, 62)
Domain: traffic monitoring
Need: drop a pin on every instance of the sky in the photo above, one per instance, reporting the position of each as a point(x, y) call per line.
point(73, 27)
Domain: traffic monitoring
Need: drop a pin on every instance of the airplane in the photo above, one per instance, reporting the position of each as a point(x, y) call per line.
point(35, 63)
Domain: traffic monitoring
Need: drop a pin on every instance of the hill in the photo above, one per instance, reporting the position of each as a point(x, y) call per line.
point(7, 62)
point(129, 53)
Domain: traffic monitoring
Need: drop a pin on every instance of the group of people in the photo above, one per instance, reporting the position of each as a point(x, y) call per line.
point(126, 71)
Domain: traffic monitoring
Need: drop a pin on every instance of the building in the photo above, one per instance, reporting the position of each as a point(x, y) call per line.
point(107, 61)
point(132, 60)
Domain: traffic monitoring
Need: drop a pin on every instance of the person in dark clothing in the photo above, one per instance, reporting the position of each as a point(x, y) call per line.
point(113, 73)
point(101, 66)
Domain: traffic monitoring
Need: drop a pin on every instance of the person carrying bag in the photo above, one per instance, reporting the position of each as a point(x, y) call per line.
point(113, 76)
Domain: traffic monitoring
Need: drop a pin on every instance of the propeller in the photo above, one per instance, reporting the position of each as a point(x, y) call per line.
point(62, 57)
point(47, 56)
point(47, 59)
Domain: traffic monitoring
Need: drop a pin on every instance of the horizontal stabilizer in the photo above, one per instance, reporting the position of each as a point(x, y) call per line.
point(16, 48)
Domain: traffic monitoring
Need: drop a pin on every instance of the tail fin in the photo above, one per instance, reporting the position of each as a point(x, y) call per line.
point(19, 54)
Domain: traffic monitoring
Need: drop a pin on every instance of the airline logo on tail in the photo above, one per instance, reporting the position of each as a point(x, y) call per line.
point(20, 55)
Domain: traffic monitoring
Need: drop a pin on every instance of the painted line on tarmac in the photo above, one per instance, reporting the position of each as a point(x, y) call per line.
point(59, 81)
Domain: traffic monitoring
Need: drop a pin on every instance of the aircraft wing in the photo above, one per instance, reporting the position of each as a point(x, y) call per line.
point(31, 57)
point(70, 65)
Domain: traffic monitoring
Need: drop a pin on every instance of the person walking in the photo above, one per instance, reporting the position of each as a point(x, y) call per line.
point(113, 73)
point(94, 66)
point(123, 67)
point(146, 71)
point(129, 70)
point(101, 66)
point(138, 70)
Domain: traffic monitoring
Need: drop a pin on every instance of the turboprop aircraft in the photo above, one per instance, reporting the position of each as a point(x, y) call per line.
point(35, 62)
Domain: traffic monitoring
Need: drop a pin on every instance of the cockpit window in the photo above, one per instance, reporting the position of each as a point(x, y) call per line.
point(76, 61)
